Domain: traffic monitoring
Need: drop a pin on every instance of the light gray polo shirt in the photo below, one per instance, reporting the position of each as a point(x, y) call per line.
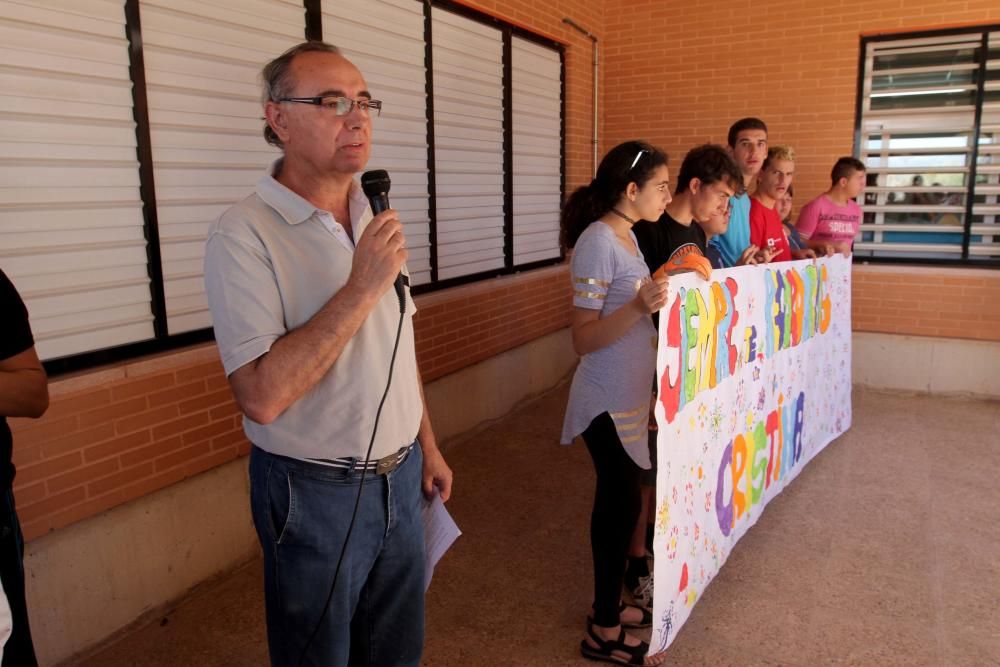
point(271, 262)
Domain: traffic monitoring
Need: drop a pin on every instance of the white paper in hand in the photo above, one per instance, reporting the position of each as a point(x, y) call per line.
point(440, 531)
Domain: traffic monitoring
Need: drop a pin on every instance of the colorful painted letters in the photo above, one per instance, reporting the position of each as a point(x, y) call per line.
point(705, 345)
point(754, 378)
point(755, 459)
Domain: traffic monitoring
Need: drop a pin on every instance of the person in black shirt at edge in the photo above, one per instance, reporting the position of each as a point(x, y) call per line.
point(24, 392)
point(708, 178)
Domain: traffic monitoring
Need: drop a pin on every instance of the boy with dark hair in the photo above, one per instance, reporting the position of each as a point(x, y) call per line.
point(737, 129)
point(716, 225)
point(766, 231)
point(708, 178)
point(834, 217)
point(748, 146)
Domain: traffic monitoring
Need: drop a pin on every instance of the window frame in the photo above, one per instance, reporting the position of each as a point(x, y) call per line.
point(984, 30)
point(313, 29)
point(508, 32)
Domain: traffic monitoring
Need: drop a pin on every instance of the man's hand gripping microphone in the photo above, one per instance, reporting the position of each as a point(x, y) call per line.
point(376, 187)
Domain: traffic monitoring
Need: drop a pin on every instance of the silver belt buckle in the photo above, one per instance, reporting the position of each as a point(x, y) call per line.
point(386, 465)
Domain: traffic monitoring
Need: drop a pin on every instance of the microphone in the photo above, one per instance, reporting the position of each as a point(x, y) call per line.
point(375, 185)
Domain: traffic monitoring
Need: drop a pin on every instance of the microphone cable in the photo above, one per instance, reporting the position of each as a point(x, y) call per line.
point(401, 279)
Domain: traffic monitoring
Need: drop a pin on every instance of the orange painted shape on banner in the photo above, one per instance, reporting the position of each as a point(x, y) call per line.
point(739, 467)
point(682, 262)
point(798, 305)
point(826, 308)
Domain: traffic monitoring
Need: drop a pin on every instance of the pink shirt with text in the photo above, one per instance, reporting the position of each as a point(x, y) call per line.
point(823, 220)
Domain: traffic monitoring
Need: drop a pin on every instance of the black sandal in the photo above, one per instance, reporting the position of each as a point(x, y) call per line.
point(605, 650)
point(646, 622)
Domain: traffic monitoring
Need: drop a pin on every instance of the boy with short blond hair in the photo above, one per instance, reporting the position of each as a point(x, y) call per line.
point(766, 231)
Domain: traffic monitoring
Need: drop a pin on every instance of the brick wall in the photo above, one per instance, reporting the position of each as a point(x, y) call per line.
point(120, 433)
point(114, 435)
point(679, 73)
point(457, 328)
point(925, 301)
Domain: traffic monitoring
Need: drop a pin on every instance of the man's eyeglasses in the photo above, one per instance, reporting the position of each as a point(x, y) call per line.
point(637, 156)
point(340, 106)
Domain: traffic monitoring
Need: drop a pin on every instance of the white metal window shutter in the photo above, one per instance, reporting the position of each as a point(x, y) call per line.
point(985, 241)
point(385, 39)
point(203, 61)
point(537, 127)
point(71, 229)
point(468, 145)
point(918, 117)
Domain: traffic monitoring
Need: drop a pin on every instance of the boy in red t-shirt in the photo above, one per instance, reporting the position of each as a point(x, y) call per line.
point(766, 230)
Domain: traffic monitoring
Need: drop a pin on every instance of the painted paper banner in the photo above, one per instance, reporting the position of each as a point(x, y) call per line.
point(754, 379)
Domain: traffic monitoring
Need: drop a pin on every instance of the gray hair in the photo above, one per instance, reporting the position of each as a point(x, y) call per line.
point(277, 79)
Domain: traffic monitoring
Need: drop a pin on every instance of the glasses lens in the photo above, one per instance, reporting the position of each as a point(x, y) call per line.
point(344, 106)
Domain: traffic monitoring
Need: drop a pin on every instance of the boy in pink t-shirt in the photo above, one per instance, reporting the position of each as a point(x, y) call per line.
point(830, 222)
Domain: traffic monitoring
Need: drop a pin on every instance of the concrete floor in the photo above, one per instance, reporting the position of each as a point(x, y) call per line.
point(884, 551)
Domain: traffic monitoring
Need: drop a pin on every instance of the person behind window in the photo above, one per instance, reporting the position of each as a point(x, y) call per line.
point(24, 392)
point(921, 198)
point(613, 296)
point(949, 199)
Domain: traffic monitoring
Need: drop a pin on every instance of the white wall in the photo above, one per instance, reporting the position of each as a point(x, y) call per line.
point(927, 365)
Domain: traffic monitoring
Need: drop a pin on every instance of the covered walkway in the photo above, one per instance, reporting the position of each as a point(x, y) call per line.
point(884, 551)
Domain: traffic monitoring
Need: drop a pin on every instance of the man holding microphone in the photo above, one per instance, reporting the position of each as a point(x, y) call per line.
point(299, 277)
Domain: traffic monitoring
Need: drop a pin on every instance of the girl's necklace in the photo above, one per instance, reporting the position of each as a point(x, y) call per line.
point(623, 216)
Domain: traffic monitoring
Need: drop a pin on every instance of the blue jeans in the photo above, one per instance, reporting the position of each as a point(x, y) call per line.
point(301, 512)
